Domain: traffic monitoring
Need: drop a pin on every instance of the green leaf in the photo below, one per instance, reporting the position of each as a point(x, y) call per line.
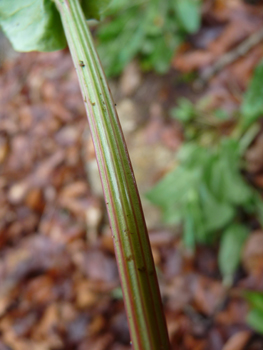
point(173, 188)
point(32, 25)
point(224, 179)
point(185, 111)
point(94, 8)
point(259, 208)
point(255, 320)
point(221, 114)
point(188, 12)
point(117, 293)
point(35, 25)
point(255, 299)
point(231, 246)
point(216, 214)
point(189, 232)
point(151, 30)
point(193, 211)
point(252, 106)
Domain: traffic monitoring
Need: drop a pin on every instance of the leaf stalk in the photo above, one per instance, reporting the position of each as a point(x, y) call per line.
point(132, 248)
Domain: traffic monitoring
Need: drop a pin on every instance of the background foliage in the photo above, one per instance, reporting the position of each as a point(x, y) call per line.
point(149, 30)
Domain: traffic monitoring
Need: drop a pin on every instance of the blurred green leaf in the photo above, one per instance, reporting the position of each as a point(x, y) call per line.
point(259, 208)
point(255, 320)
point(117, 293)
point(184, 112)
point(252, 106)
point(231, 246)
point(221, 114)
point(203, 191)
point(225, 180)
point(206, 191)
point(189, 231)
point(188, 12)
point(148, 29)
point(255, 299)
point(94, 8)
point(216, 214)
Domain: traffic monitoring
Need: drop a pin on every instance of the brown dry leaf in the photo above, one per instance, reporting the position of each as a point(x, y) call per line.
point(130, 79)
point(34, 255)
point(234, 314)
point(85, 297)
point(99, 267)
point(191, 342)
point(118, 346)
point(252, 257)
point(69, 135)
point(107, 240)
point(74, 189)
point(4, 149)
point(190, 61)
point(35, 199)
point(254, 155)
point(228, 23)
point(178, 293)
point(161, 238)
point(40, 290)
point(40, 177)
point(238, 341)
point(96, 325)
point(207, 294)
point(101, 343)
point(46, 328)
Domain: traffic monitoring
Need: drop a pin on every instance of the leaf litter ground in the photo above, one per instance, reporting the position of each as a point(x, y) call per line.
point(59, 286)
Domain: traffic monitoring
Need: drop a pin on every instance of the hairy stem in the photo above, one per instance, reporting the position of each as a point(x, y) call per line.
point(133, 253)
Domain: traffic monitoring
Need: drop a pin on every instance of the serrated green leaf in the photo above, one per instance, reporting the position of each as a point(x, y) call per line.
point(231, 246)
point(188, 12)
point(255, 299)
point(255, 320)
point(252, 106)
point(32, 25)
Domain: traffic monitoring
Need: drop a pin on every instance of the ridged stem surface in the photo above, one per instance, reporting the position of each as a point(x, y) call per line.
point(132, 248)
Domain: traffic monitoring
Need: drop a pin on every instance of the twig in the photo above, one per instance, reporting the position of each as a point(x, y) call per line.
point(229, 58)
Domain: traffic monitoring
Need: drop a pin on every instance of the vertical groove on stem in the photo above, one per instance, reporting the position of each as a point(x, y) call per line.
point(133, 253)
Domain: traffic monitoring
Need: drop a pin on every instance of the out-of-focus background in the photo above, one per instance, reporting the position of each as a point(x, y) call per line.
point(187, 78)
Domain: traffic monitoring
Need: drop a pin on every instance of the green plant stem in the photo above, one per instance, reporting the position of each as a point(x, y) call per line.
point(133, 253)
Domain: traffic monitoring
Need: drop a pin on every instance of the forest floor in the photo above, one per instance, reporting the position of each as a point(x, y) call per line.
point(59, 285)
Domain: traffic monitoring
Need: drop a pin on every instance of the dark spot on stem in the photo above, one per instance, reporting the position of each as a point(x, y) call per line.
point(142, 269)
point(81, 63)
